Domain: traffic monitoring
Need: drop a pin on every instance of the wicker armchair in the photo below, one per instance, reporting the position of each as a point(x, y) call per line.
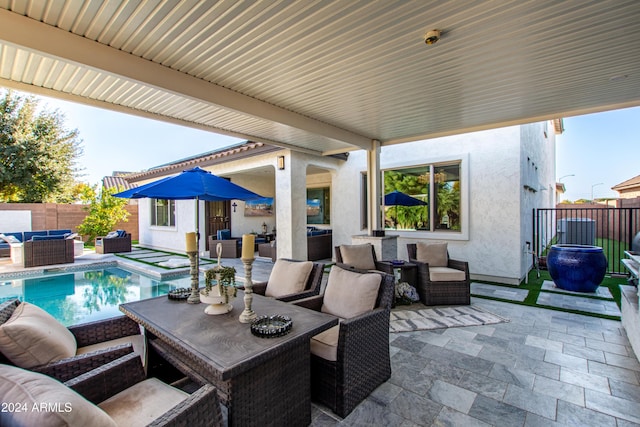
point(117, 393)
point(435, 291)
point(231, 248)
point(357, 256)
point(362, 361)
point(87, 334)
point(105, 245)
point(311, 288)
point(48, 252)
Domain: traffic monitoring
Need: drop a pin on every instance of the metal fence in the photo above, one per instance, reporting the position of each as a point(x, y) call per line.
point(611, 228)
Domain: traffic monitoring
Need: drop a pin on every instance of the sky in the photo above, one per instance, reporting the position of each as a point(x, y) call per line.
point(113, 141)
point(595, 152)
point(598, 151)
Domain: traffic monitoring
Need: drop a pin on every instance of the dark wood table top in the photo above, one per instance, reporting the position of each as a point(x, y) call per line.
point(221, 341)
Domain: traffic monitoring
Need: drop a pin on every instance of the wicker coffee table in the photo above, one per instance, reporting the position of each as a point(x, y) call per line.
point(262, 381)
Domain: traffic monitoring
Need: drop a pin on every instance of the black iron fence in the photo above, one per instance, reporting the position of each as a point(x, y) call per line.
point(611, 228)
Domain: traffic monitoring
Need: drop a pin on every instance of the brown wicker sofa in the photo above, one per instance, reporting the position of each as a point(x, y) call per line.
point(87, 334)
point(318, 247)
point(47, 252)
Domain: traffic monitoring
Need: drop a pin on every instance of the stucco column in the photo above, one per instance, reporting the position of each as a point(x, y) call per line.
point(291, 207)
point(374, 187)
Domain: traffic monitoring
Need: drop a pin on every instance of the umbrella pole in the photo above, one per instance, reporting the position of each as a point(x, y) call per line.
point(198, 235)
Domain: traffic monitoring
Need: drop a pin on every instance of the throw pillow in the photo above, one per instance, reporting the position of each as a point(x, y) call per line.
point(9, 238)
point(349, 294)
point(111, 235)
point(358, 256)
point(434, 254)
point(288, 277)
point(43, 401)
point(32, 337)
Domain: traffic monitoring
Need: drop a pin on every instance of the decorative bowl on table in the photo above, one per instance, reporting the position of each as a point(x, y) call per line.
point(397, 262)
point(271, 326)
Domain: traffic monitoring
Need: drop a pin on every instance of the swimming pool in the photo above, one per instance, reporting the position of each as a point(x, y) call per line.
point(86, 296)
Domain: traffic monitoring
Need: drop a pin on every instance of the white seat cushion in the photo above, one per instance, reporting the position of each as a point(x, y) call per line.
point(434, 254)
point(142, 403)
point(325, 344)
point(138, 342)
point(288, 277)
point(445, 274)
point(32, 337)
point(46, 402)
point(358, 256)
point(349, 294)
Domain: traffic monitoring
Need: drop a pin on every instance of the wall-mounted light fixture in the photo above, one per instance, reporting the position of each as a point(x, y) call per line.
point(281, 163)
point(234, 205)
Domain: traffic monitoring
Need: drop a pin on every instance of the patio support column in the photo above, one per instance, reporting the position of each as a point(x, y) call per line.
point(291, 207)
point(374, 187)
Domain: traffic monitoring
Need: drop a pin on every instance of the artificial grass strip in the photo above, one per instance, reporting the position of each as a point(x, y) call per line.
point(155, 254)
point(535, 287)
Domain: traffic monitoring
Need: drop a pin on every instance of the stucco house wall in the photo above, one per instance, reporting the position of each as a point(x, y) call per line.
point(505, 173)
point(496, 205)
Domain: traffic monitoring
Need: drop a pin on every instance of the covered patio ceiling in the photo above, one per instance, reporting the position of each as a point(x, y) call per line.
point(328, 76)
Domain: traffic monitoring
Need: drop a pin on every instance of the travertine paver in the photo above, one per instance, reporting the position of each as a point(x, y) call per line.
point(557, 372)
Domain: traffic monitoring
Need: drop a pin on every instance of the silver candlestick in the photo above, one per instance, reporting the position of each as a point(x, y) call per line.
point(194, 298)
point(248, 315)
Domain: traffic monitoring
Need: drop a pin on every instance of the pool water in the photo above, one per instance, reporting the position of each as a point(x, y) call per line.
point(86, 296)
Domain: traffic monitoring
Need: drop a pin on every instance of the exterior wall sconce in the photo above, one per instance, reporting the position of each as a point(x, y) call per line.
point(281, 163)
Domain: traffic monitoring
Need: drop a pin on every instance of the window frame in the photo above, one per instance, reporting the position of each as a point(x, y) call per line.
point(171, 214)
point(463, 234)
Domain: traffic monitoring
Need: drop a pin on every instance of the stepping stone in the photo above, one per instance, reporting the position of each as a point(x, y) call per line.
point(601, 291)
point(502, 292)
point(573, 302)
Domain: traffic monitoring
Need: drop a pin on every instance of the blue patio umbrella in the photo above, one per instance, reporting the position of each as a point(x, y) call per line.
point(197, 184)
point(398, 198)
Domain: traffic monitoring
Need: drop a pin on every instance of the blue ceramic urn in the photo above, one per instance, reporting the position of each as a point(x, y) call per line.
point(577, 268)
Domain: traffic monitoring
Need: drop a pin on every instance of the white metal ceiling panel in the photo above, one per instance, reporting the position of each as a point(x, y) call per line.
point(326, 75)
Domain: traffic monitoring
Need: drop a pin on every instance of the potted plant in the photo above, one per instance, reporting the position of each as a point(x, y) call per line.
point(219, 294)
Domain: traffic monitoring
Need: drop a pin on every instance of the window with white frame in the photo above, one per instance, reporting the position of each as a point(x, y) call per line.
point(434, 191)
point(163, 213)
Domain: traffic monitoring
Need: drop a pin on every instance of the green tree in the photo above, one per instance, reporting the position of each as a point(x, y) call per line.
point(105, 211)
point(37, 154)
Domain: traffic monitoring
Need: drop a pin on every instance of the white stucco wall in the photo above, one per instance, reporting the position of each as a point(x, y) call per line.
point(491, 185)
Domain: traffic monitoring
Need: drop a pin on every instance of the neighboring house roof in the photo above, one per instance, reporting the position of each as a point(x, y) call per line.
point(630, 184)
point(226, 154)
point(117, 181)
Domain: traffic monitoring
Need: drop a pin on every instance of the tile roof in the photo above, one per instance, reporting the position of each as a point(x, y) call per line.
point(628, 184)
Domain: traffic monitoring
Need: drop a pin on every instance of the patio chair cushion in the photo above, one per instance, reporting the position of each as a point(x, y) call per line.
point(9, 238)
point(446, 274)
point(325, 344)
point(138, 342)
point(142, 403)
point(349, 294)
point(358, 256)
point(434, 254)
point(288, 277)
point(32, 337)
point(223, 234)
point(64, 407)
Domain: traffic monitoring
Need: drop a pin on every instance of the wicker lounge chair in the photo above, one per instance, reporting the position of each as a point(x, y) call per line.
point(361, 354)
point(111, 335)
point(110, 245)
point(116, 393)
point(311, 288)
point(448, 283)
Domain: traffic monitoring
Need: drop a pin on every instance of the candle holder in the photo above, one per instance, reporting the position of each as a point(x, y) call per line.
point(248, 315)
point(194, 298)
